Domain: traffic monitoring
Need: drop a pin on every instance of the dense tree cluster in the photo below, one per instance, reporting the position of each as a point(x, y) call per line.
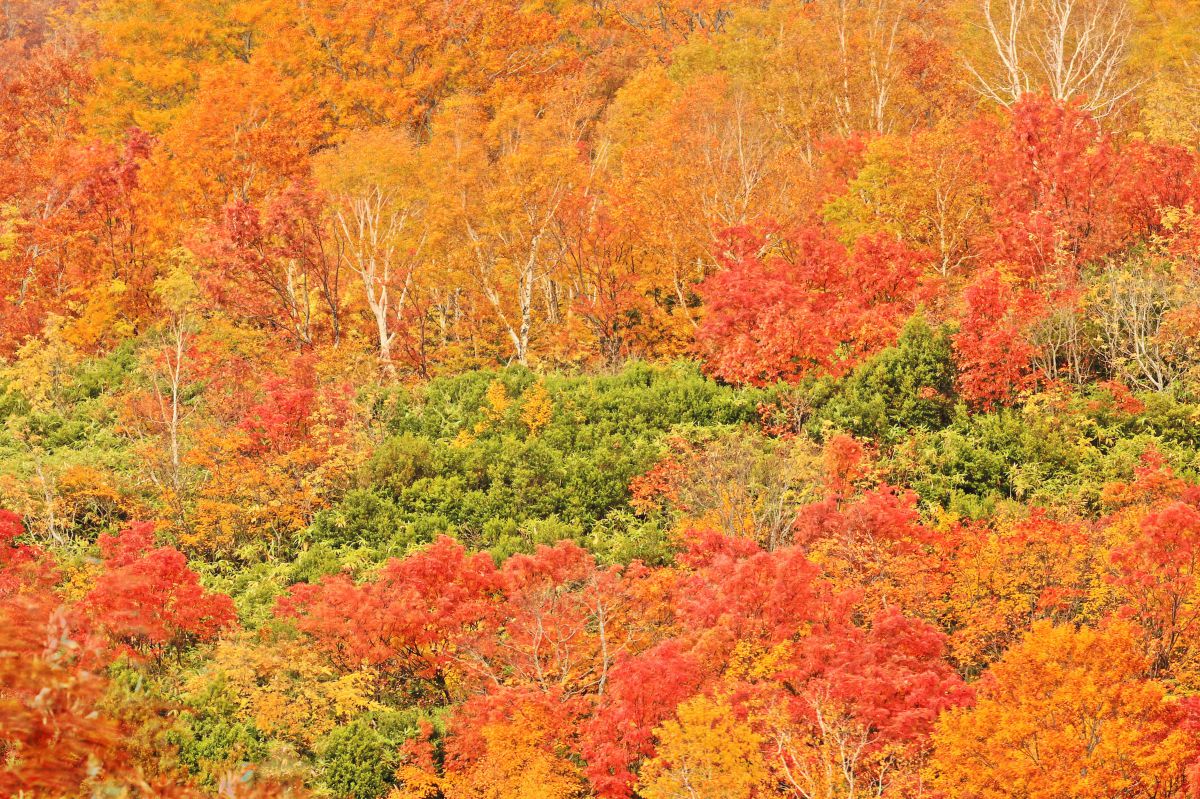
point(636, 399)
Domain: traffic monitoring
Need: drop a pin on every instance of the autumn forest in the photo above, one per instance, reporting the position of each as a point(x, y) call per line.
point(628, 399)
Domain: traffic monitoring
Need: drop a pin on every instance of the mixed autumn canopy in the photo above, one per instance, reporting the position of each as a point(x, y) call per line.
point(631, 399)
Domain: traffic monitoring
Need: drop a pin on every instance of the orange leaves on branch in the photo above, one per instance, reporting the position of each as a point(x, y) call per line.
point(658, 485)
point(280, 265)
point(22, 567)
point(513, 742)
point(846, 463)
point(1153, 532)
point(857, 708)
point(1008, 575)
point(604, 265)
point(739, 592)
point(811, 676)
point(562, 661)
point(53, 738)
point(281, 447)
point(567, 620)
point(642, 691)
point(875, 546)
point(1047, 172)
point(1062, 193)
point(1158, 571)
point(1154, 485)
point(1065, 713)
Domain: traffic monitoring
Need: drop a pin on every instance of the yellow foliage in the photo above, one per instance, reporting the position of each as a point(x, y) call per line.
point(519, 761)
point(177, 289)
point(154, 53)
point(100, 320)
point(77, 578)
point(1064, 713)
point(536, 408)
point(498, 401)
point(287, 690)
point(10, 216)
point(751, 662)
point(705, 754)
point(415, 783)
point(251, 497)
point(1010, 576)
point(41, 371)
point(86, 500)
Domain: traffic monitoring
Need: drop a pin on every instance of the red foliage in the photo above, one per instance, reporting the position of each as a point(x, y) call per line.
point(407, 621)
point(846, 463)
point(276, 263)
point(890, 677)
point(789, 302)
point(660, 483)
point(1051, 173)
point(53, 737)
point(147, 600)
point(1154, 485)
point(1159, 571)
point(279, 414)
point(1062, 193)
point(994, 356)
point(884, 516)
point(22, 567)
point(756, 596)
point(642, 691)
point(80, 224)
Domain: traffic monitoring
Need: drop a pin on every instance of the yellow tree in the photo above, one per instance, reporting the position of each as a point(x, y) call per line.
point(691, 158)
point(1007, 577)
point(1064, 713)
point(153, 55)
point(519, 756)
point(704, 753)
point(160, 415)
point(850, 66)
point(284, 687)
point(1073, 51)
point(504, 172)
point(379, 210)
point(922, 187)
point(1162, 54)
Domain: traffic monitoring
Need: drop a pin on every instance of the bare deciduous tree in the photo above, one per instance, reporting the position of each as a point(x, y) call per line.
point(373, 225)
point(1132, 305)
point(1073, 49)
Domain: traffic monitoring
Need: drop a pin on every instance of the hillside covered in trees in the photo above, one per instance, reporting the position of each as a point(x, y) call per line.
point(630, 399)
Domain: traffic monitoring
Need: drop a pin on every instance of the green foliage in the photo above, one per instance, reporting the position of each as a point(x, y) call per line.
point(211, 738)
point(457, 463)
point(640, 399)
point(367, 517)
point(1053, 451)
point(64, 422)
point(909, 386)
point(358, 759)
point(622, 537)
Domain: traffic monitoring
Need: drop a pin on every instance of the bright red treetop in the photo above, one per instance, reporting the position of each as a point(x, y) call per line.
point(148, 600)
point(788, 302)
